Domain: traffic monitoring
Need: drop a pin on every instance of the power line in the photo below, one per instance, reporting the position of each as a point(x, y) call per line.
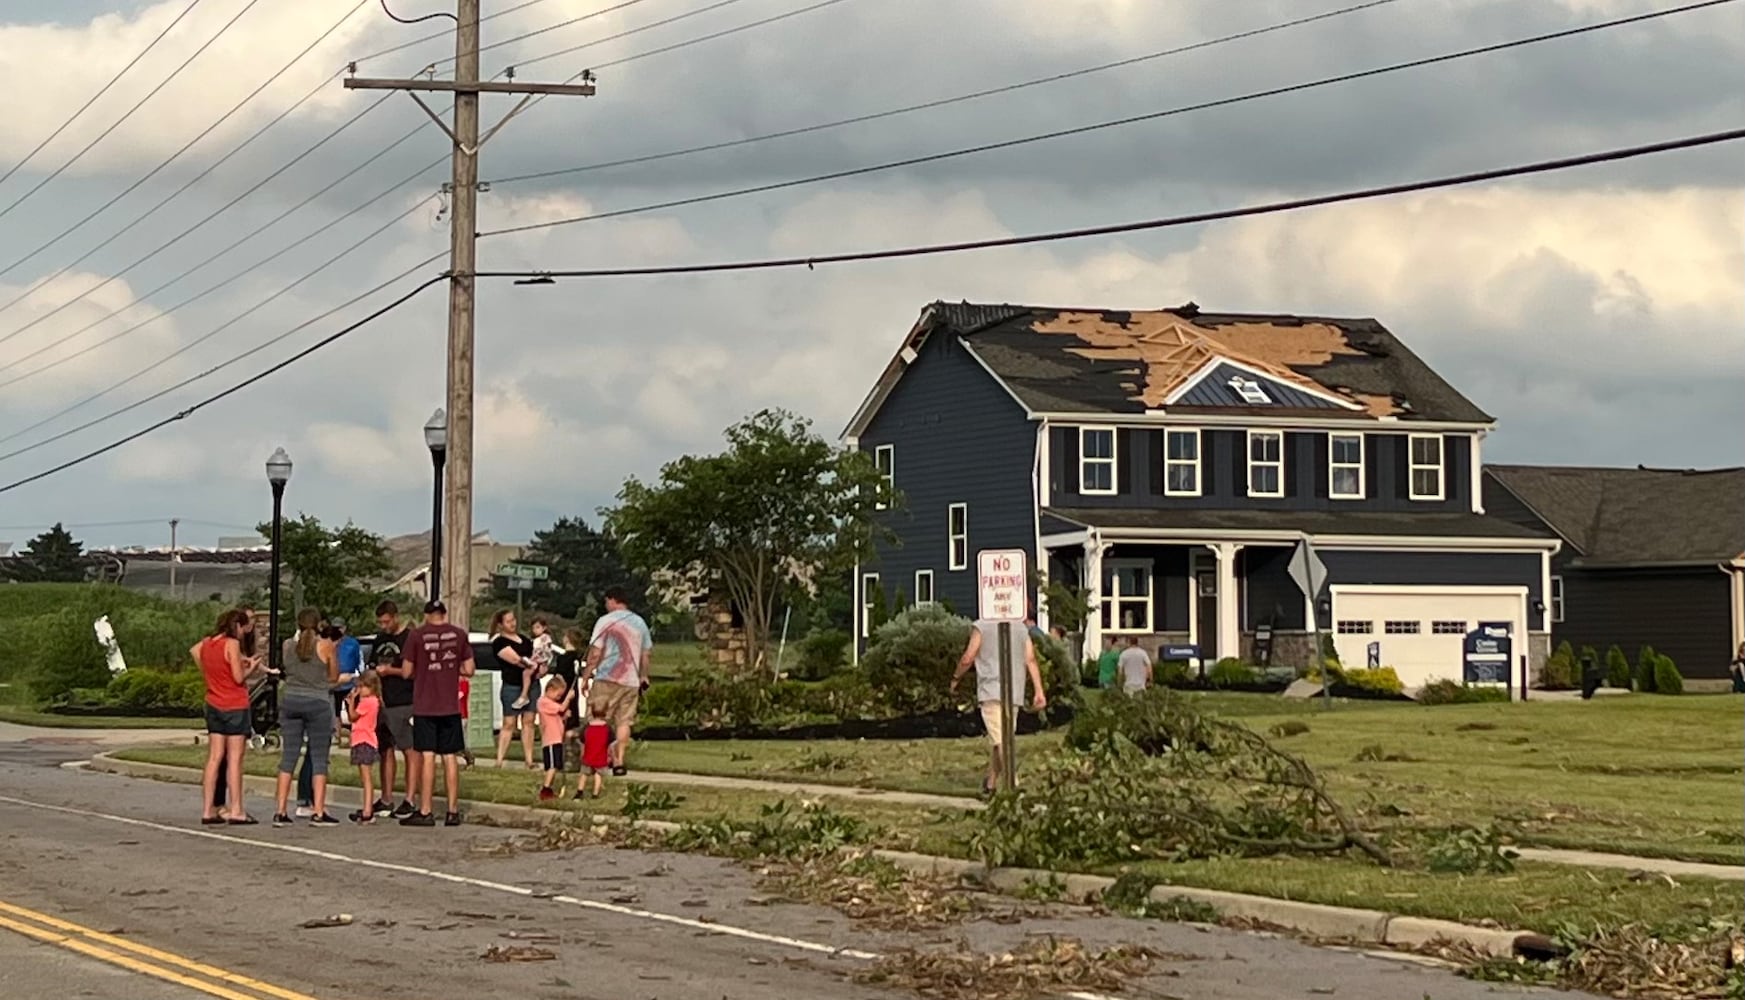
point(945, 101)
point(1268, 208)
point(434, 36)
point(417, 20)
point(1118, 122)
point(52, 136)
point(172, 158)
point(238, 387)
point(130, 111)
point(774, 18)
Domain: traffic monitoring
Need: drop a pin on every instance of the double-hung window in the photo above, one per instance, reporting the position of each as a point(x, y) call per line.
point(923, 586)
point(957, 536)
point(1126, 598)
point(1557, 599)
point(869, 590)
point(1345, 466)
point(1097, 460)
point(1266, 463)
point(1181, 463)
point(1425, 466)
point(885, 457)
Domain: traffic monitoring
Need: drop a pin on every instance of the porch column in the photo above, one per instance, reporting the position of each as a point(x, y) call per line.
point(1092, 583)
point(1229, 608)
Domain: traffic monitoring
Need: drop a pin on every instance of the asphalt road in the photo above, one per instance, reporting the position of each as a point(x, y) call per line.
point(136, 900)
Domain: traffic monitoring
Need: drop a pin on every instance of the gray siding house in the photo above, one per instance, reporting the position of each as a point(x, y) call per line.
point(1168, 461)
point(1650, 557)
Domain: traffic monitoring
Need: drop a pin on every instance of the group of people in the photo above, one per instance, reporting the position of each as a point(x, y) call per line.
point(408, 707)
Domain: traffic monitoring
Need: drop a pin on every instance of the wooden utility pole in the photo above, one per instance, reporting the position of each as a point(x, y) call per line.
point(456, 586)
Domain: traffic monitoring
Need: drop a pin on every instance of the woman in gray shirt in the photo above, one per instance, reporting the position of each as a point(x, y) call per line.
point(311, 668)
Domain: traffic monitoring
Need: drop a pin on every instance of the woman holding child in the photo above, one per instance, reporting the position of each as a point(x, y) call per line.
point(520, 685)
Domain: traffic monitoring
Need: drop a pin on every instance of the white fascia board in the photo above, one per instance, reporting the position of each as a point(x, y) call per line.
point(1199, 418)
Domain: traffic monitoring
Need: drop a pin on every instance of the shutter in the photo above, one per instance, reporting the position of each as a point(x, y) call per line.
point(1159, 440)
point(1321, 463)
point(1124, 461)
point(1291, 450)
point(1237, 444)
point(1208, 464)
point(1070, 482)
point(1402, 466)
point(1372, 459)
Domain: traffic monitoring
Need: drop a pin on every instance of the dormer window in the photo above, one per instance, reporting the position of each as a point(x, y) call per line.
point(1249, 391)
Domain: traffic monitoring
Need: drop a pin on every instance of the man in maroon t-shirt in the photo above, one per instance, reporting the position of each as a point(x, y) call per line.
point(439, 655)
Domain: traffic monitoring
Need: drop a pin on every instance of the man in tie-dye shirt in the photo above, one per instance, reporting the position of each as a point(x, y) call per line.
point(617, 669)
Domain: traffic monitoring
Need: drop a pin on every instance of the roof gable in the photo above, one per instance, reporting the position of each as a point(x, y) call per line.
point(1640, 515)
point(1221, 383)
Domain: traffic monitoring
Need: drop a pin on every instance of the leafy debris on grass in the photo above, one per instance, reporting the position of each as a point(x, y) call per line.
point(1040, 967)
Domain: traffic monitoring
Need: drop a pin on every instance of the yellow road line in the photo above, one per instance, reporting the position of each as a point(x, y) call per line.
point(79, 938)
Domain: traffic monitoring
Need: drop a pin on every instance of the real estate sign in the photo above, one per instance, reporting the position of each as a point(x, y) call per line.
point(1002, 584)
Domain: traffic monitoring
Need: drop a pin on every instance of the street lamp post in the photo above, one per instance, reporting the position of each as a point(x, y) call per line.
point(436, 439)
point(278, 474)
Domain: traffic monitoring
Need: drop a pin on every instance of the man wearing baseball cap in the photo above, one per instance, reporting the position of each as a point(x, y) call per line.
point(438, 655)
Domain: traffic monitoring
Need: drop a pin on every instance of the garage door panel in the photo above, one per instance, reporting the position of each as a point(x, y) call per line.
point(1421, 630)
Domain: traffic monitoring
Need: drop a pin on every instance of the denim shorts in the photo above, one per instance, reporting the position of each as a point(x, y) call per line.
point(228, 722)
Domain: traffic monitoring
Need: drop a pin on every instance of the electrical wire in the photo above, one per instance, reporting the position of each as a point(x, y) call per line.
point(1118, 122)
point(403, 46)
point(688, 42)
point(197, 341)
point(507, 41)
point(418, 20)
point(130, 111)
point(945, 101)
point(232, 390)
point(1267, 208)
point(52, 136)
point(172, 158)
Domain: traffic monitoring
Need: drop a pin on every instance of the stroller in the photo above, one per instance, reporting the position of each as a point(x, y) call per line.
point(263, 711)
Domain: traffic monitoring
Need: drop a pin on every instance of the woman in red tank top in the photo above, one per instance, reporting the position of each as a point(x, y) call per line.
point(221, 663)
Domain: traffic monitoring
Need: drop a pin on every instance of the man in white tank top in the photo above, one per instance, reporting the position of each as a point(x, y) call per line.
point(983, 654)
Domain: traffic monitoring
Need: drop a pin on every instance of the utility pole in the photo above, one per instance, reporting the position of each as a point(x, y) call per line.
point(456, 586)
point(173, 523)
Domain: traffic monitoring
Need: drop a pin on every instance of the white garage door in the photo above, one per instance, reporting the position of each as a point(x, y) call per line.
point(1420, 629)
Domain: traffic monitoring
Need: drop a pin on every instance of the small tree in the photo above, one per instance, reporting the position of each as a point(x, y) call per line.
point(51, 557)
point(582, 563)
point(780, 509)
point(900, 603)
point(1617, 669)
point(336, 570)
point(1667, 679)
point(1646, 661)
point(878, 609)
point(1558, 674)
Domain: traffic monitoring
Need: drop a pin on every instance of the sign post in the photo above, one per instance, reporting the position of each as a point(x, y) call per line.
point(1002, 595)
point(520, 578)
point(1310, 574)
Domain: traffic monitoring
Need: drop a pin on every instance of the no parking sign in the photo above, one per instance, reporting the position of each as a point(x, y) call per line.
point(1003, 584)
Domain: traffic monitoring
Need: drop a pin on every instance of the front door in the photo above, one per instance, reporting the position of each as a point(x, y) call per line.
point(1203, 577)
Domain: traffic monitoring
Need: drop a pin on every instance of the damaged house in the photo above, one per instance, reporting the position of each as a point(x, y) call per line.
point(1168, 462)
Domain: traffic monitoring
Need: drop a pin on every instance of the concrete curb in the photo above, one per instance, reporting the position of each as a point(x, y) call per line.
point(1316, 920)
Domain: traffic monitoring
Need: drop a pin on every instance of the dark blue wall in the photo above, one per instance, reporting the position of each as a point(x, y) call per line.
point(958, 438)
point(1224, 473)
point(1454, 569)
point(1270, 593)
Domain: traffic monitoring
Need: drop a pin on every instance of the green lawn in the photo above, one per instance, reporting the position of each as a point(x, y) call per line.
point(31, 717)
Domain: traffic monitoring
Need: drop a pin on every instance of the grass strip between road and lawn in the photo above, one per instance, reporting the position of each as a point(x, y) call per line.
point(1540, 897)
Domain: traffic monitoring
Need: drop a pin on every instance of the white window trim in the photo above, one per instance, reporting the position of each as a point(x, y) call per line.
point(1198, 462)
point(869, 583)
point(1332, 466)
point(890, 469)
point(1555, 603)
point(1412, 467)
point(1252, 464)
point(1108, 596)
point(951, 560)
point(932, 594)
point(1113, 461)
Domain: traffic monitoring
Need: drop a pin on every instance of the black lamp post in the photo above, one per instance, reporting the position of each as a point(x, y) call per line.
point(436, 438)
point(278, 474)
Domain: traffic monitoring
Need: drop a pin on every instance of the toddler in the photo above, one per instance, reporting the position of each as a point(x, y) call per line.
point(553, 707)
point(544, 652)
point(596, 760)
point(364, 704)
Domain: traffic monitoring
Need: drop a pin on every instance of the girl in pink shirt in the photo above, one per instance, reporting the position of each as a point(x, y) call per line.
point(365, 707)
point(554, 710)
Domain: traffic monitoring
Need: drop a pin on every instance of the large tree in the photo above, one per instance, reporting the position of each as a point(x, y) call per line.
point(583, 562)
point(338, 570)
point(54, 556)
point(780, 509)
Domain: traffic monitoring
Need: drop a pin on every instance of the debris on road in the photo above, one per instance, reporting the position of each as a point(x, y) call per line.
point(1040, 967)
point(518, 953)
point(336, 920)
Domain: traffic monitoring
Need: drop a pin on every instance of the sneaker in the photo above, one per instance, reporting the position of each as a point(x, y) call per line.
point(419, 819)
point(280, 819)
point(362, 818)
point(404, 809)
point(520, 703)
point(322, 819)
point(451, 819)
point(304, 812)
point(620, 771)
point(382, 806)
point(546, 795)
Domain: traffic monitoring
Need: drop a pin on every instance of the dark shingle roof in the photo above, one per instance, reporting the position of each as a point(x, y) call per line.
point(1614, 516)
point(1428, 525)
point(1050, 371)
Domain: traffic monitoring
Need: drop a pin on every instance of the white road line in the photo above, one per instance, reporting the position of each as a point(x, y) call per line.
point(726, 930)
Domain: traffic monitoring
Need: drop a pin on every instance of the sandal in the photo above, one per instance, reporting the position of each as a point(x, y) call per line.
point(212, 821)
point(244, 821)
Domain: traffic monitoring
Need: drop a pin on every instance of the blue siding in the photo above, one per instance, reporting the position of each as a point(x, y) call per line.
point(1268, 590)
point(957, 437)
point(1224, 473)
point(1214, 390)
point(1453, 569)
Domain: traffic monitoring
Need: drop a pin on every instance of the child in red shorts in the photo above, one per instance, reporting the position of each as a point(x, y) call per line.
point(596, 736)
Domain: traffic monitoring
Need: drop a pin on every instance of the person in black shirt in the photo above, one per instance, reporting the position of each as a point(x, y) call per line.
point(394, 724)
point(568, 665)
point(514, 654)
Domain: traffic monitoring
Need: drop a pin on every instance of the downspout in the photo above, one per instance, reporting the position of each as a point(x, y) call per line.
point(1038, 500)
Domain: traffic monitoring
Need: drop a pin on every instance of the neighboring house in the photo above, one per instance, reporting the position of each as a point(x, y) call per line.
point(1650, 556)
point(1169, 461)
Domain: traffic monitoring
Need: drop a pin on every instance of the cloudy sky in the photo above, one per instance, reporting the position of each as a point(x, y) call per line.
point(1599, 313)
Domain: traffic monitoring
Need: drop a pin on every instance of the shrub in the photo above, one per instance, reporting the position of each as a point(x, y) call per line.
point(1172, 673)
point(1230, 672)
point(1558, 673)
point(1447, 692)
point(1377, 680)
point(910, 659)
point(1617, 669)
point(1667, 679)
point(65, 655)
point(146, 691)
point(1060, 679)
point(1646, 659)
point(1149, 719)
point(822, 652)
